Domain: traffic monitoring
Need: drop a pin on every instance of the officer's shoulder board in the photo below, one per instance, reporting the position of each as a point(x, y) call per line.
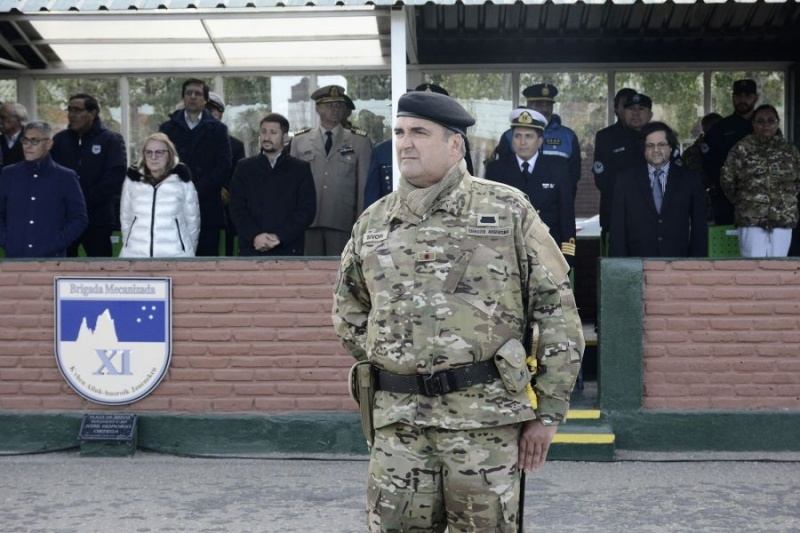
point(301, 132)
point(358, 131)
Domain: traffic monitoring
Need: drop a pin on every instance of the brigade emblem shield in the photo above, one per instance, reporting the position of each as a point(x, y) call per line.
point(113, 336)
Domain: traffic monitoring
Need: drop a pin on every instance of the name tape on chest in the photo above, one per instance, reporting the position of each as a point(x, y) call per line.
point(375, 236)
point(489, 232)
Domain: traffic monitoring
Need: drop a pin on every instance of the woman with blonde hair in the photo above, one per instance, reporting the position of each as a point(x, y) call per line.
point(159, 211)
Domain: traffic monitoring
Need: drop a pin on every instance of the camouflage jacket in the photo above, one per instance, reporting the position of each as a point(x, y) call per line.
point(761, 178)
point(416, 296)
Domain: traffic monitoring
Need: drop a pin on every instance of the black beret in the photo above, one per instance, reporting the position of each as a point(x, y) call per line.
point(432, 87)
point(641, 100)
point(744, 87)
point(436, 108)
point(541, 91)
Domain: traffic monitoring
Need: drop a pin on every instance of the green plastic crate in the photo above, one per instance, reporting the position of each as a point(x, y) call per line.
point(723, 241)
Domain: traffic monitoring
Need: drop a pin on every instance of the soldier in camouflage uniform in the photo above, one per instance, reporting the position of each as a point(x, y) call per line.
point(438, 285)
point(761, 178)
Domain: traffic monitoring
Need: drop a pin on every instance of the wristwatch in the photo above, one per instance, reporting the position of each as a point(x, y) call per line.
point(547, 420)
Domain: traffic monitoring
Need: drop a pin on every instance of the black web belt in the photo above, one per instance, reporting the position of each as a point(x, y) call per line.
point(438, 383)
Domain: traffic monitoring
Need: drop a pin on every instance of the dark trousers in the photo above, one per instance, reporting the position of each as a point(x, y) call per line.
point(208, 243)
point(96, 242)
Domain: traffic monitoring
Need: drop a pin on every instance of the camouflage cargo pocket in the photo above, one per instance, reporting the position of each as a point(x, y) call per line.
point(510, 361)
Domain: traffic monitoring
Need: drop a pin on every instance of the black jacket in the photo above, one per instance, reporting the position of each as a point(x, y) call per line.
point(280, 200)
point(99, 159)
point(638, 230)
point(206, 150)
point(14, 154)
point(616, 149)
point(550, 191)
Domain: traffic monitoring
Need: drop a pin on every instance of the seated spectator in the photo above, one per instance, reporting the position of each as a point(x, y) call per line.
point(42, 210)
point(273, 197)
point(159, 211)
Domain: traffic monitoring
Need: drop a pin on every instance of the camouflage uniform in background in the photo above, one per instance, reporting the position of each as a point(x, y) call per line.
point(761, 178)
point(417, 295)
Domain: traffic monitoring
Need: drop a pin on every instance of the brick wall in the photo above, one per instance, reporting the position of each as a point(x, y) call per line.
point(248, 337)
point(722, 335)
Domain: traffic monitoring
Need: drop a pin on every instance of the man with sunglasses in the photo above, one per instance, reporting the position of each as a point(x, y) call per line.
point(42, 210)
point(98, 156)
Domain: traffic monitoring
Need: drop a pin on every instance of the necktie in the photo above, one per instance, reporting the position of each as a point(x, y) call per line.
point(658, 191)
point(328, 142)
point(526, 170)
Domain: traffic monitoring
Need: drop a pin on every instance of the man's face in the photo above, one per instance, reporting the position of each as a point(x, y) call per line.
point(744, 103)
point(194, 100)
point(545, 107)
point(80, 119)
point(526, 142)
point(216, 113)
point(424, 150)
point(35, 145)
point(637, 116)
point(657, 149)
point(331, 112)
point(9, 123)
point(271, 138)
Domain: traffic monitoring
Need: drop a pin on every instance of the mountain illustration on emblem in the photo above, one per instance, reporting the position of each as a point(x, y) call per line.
point(104, 333)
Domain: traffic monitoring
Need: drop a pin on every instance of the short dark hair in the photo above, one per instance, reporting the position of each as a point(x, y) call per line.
point(625, 92)
point(89, 102)
point(709, 120)
point(276, 117)
point(195, 81)
point(652, 127)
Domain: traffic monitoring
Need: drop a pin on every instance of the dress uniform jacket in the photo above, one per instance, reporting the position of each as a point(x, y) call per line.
point(339, 177)
point(419, 295)
point(718, 142)
point(42, 210)
point(549, 191)
point(638, 230)
point(616, 149)
point(379, 175)
point(206, 150)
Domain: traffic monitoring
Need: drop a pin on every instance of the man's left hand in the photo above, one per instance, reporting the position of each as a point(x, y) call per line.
point(534, 442)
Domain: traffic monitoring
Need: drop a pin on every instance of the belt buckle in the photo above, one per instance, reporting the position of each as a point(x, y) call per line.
point(436, 384)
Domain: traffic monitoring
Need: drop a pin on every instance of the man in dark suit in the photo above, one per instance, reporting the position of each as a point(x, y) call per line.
point(545, 180)
point(203, 145)
point(13, 117)
point(659, 207)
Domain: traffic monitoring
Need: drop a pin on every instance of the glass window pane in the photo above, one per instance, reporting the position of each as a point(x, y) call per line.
point(52, 96)
point(8, 90)
point(247, 100)
point(151, 102)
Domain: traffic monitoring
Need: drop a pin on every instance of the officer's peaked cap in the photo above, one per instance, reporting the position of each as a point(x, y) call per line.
point(435, 107)
point(522, 117)
point(540, 91)
point(329, 93)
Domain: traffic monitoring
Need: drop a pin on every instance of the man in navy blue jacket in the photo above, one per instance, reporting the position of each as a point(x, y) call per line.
point(42, 210)
point(98, 156)
point(203, 145)
point(545, 180)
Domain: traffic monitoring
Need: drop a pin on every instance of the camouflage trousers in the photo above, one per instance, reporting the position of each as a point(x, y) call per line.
point(423, 480)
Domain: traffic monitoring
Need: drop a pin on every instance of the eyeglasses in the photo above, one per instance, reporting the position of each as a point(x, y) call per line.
point(155, 153)
point(660, 146)
point(766, 121)
point(34, 141)
point(71, 109)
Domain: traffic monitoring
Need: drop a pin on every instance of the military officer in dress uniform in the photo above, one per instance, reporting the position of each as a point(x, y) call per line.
point(559, 140)
point(618, 150)
point(339, 160)
point(721, 138)
point(545, 180)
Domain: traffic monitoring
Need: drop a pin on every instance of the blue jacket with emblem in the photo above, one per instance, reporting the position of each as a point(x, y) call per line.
point(98, 158)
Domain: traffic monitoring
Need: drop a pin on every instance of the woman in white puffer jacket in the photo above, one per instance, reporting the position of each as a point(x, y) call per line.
point(159, 211)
